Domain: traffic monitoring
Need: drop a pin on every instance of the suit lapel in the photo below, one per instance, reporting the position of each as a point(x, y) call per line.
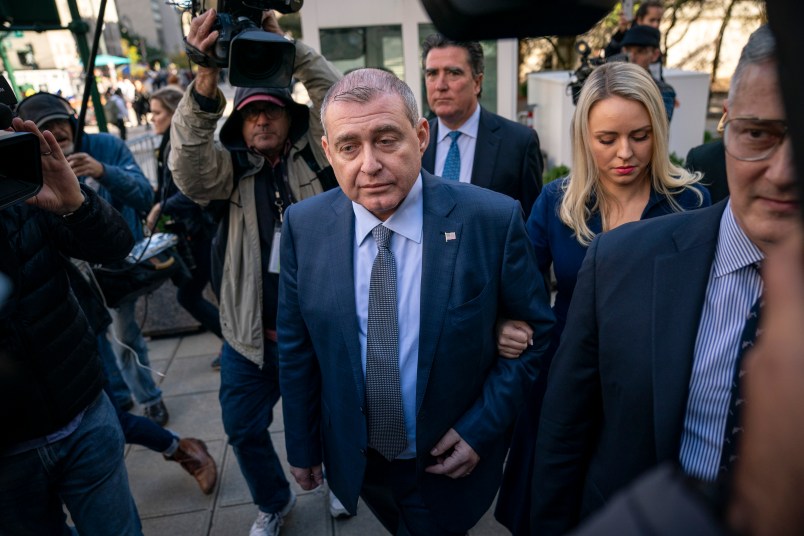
point(486, 148)
point(428, 158)
point(339, 249)
point(680, 282)
point(438, 266)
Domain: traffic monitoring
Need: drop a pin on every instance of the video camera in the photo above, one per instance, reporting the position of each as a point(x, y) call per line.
point(587, 66)
point(255, 58)
point(20, 158)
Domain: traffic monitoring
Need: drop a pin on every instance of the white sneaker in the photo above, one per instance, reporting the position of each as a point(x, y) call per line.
point(336, 508)
point(269, 524)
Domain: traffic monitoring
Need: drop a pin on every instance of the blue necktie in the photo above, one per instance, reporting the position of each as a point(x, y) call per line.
point(386, 420)
point(452, 165)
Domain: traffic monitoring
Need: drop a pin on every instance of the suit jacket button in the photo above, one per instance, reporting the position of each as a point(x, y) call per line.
point(363, 452)
point(362, 410)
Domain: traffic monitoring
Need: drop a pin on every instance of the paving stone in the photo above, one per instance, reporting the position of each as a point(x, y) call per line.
point(196, 415)
point(309, 516)
point(162, 348)
point(202, 344)
point(186, 524)
point(191, 375)
point(234, 520)
point(232, 487)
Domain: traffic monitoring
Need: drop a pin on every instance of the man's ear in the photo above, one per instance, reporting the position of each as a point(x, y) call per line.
point(721, 125)
point(478, 83)
point(325, 146)
point(423, 133)
point(655, 55)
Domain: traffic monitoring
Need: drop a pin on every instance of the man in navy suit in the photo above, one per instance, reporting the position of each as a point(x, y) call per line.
point(645, 369)
point(494, 153)
point(460, 258)
point(710, 159)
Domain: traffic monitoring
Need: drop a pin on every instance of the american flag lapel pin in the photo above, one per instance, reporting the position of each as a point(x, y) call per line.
point(449, 236)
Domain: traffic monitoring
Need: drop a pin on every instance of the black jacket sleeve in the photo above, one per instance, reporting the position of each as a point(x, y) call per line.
point(96, 232)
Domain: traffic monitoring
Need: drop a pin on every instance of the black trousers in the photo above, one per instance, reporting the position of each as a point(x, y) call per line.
point(390, 490)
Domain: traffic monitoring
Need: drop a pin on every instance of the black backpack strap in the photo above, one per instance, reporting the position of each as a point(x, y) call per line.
point(326, 176)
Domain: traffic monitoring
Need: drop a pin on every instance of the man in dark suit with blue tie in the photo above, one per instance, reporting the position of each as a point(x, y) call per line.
point(389, 291)
point(648, 367)
point(467, 142)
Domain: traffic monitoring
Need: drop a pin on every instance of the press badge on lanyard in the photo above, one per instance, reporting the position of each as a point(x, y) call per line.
point(273, 260)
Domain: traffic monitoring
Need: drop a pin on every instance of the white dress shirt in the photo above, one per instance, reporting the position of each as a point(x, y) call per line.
point(467, 142)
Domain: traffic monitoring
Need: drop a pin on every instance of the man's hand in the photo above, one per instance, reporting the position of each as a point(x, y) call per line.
point(153, 216)
point(201, 35)
point(308, 477)
point(60, 191)
point(203, 38)
point(269, 22)
point(454, 456)
point(85, 166)
point(513, 337)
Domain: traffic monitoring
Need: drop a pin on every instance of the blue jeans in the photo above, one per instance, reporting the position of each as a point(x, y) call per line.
point(84, 472)
point(248, 395)
point(138, 379)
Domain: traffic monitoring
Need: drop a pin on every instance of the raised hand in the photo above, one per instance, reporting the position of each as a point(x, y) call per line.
point(60, 191)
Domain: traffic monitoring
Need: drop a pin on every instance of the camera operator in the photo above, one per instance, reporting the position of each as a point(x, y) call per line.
point(105, 163)
point(271, 157)
point(61, 443)
point(641, 45)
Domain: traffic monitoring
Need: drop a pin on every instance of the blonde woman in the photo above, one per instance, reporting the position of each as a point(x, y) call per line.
point(621, 173)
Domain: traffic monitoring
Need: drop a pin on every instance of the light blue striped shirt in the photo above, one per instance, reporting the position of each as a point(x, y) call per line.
point(734, 286)
point(406, 245)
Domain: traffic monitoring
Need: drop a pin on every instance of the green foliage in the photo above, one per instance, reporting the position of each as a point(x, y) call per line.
point(179, 58)
point(154, 54)
point(555, 173)
point(677, 160)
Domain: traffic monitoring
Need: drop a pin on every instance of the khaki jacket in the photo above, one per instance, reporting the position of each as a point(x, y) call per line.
point(203, 170)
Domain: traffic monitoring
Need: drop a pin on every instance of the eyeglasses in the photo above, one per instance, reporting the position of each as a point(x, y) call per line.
point(752, 139)
point(253, 111)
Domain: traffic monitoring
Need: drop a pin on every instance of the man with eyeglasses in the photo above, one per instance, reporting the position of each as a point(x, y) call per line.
point(271, 157)
point(648, 366)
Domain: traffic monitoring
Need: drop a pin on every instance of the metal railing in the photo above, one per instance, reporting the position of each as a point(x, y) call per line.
point(144, 150)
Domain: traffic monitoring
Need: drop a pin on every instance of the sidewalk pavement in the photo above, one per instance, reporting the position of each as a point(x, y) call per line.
point(169, 500)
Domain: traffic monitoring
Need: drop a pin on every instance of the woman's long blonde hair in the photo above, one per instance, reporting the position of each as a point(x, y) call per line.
point(583, 188)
